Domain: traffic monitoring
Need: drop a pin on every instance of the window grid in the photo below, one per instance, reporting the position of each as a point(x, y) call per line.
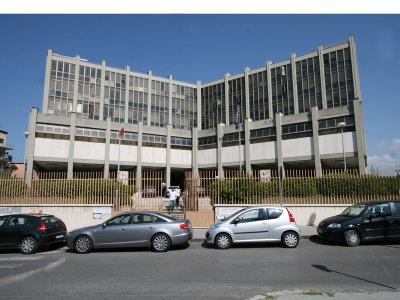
point(213, 105)
point(258, 95)
point(114, 96)
point(159, 103)
point(89, 86)
point(282, 90)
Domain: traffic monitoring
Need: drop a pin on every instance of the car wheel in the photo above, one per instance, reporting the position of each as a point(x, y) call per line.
point(352, 238)
point(223, 241)
point(160, 242)
point(28, 245)
point(290, 239)
point(83, 244)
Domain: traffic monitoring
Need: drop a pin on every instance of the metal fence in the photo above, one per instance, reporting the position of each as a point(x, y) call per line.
point(85, 188)
point(293, 187)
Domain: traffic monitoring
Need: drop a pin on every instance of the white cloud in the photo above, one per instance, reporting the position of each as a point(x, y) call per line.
point(386, 162)
point(393, 145)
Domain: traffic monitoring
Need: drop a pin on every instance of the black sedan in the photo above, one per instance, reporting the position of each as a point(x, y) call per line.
point(368, 221)
point(28, 232)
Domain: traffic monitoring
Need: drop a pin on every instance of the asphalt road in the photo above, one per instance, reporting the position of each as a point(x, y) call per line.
point(198, 272)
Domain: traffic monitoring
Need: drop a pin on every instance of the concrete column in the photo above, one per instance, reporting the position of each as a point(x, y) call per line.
point(360, 137)
point(247, 93)
point(269, 90)
point(128, 71)
point(47, 82)
point(30, 145)
point(195, 151)
point(322, 75)
point(170, 101)
point(294, 82)
point(139, 156)
point(107, 149)
point(279, 152)
point(220, 135)
point(168, 156)
point(150, 74)
point(71, 149)
point(247, 157)
point(103, 79)
point(76, 81)
point(227, 98)
point(354, 67)
point(199, 100)
point(317, 157)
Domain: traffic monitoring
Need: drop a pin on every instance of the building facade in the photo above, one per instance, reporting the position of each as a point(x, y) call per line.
point(301, 113)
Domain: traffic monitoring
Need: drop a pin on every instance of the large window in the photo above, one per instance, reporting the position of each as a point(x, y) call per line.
point(213, 105)
point(258, 95)
point(184, 107)
point(114, 96)
point(159, 103)
point(89, 86)
point(282, 90)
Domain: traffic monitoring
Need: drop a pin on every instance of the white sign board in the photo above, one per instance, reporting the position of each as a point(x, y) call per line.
point(100, 211)
point(123, 176)
point(265, 175)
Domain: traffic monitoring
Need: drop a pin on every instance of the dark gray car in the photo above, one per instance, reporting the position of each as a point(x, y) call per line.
point(132, 229)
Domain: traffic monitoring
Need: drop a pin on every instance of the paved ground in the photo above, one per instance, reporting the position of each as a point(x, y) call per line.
point(306, 232)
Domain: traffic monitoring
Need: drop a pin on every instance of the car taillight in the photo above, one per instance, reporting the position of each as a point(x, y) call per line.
point(42, 226)
point(291, 218)
point(184, 226)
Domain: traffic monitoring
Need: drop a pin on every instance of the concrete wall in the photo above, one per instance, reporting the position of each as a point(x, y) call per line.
point(332, 143)
point(297, 147)
point(88, 150)
point(128, 153)
point(51, 148)
point(181, 157)
point(74, 216)
point(208, 156)
point(263, 151)
point(154, 155)
point(305, 215)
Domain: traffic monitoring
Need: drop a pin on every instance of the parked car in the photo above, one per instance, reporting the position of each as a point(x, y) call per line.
point(255, 224)
point(132, 229)
point(28, 232)
point(368, 221)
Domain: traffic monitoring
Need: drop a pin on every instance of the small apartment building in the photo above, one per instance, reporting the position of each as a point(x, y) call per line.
point(5, 158)
point(304, 112)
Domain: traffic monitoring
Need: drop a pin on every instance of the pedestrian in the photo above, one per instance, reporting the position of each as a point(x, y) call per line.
point(172, 199)
point(178, 196)
point(163, 188)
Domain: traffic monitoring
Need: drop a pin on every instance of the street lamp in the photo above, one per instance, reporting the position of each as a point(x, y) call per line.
point(341, 125)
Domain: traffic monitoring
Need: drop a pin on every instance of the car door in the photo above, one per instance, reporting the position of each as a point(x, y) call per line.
point(394, 220)
point(140, 230)
point(14, 230)
point(275, 223)
point(3, 231)
point(251, 225)
point(113, 232)
point(376, 223)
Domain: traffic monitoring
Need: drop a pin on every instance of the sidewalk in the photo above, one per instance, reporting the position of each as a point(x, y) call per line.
point(306, 232)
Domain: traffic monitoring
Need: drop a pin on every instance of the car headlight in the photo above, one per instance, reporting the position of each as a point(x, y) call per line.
point(334, 225)
point(215, 226)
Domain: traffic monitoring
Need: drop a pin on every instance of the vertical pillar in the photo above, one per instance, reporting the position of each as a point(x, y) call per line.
point(227, 98)
point(247, 93)
point(107, 149)
point(103, 79)
point(168, 156)
point(220, 135)
point(47, 82)
point(76, 82)
point(360, 137)
point(139, 156)
point(199, 101)
point(317, 157)
point(354, 67)
point(150, 74)
point(322, 76)
point(126, 116)
point(294, 82)
point(195, 151)
point(170, 101)
point(247, 157)
point(30, 145)
point(70, 172)
point(269, 90)
point(279, 152)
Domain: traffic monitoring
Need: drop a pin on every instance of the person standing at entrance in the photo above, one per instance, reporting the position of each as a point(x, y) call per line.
point(172, 199)
point(178, 196)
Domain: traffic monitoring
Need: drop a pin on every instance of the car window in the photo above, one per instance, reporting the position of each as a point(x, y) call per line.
point(18, 221)
point(3, 220)
point(380, 210)
point(252, 215)
point(50, 221)
point(397, 208)
point(158, 220)
point(141, 219)
point(119, 220)
point(354, 210)
point(274, 213)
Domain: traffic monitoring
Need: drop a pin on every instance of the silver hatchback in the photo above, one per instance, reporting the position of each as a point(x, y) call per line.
point(267, 223)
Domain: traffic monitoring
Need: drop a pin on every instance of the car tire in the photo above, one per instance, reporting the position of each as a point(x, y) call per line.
point(352, 238)
point(83, 244)
point(28, 245)
point(223, 241)
point(290, 239)
point(160, 242)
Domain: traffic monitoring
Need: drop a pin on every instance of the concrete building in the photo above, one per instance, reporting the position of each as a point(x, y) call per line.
point(301, 113)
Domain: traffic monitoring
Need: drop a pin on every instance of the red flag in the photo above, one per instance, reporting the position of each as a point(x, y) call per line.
point(121, 132)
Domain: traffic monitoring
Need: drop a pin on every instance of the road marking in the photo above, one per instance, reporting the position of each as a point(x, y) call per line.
point(10, 266)
point(22, 276)
point(22, 258)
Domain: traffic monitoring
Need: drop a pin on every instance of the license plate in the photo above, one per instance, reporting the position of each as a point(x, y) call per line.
point(59, 236)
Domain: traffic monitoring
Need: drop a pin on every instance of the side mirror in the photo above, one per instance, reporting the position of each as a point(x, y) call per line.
point(235, 221)
point(103, 225)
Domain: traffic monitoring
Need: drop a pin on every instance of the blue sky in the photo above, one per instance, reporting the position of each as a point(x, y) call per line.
point(200, 47)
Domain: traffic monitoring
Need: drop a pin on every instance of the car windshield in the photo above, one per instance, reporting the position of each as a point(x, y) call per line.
point(235, 213)
point(354, 210)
